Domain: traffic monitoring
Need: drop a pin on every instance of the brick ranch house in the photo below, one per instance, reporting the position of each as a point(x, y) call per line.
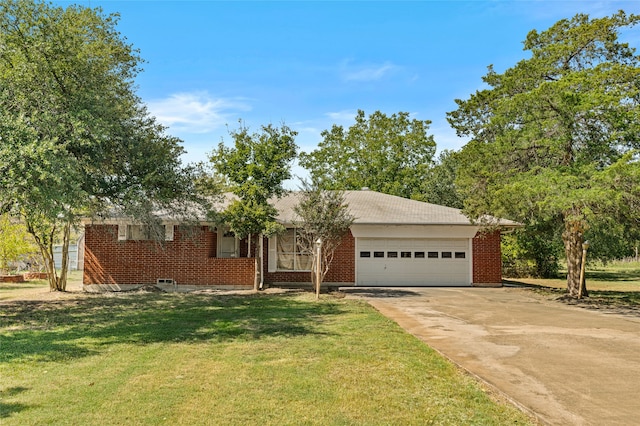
point(393, 242)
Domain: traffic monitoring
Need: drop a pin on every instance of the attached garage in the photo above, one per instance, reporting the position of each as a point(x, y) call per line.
point(397, 262)
point(397, 242)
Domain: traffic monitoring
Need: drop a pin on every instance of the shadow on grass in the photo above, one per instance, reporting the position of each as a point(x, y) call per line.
point(617, 302)
point(622, 303)
point(618, 274)
point(9, 408)
point(58, 330)
point(21, 286)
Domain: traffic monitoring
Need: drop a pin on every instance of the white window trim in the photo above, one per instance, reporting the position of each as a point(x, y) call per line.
point(273, 255)
point(219, 234)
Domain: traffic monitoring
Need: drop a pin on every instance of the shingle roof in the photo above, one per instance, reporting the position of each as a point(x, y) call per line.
point(371, 207)
point(368, 207)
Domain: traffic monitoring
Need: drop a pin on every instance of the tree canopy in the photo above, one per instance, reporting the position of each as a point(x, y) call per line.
point(390, 154)
point(256, 167)
point(555, 136)
point(322, 216)
point(440, 185)
point(75, 139)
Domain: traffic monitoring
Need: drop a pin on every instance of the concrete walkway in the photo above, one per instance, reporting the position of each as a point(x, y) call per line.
point(567, 365)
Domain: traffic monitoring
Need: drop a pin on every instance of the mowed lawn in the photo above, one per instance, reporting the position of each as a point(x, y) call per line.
point(211, 359)
point(614, 283)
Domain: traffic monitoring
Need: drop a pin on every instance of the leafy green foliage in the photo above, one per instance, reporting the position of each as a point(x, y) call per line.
point(323, 216)
point(256, 168)
point(14, 242)
point(533, 251)
point(440, 185)
point(74, 137)
point(389, 154)
point(553, 136)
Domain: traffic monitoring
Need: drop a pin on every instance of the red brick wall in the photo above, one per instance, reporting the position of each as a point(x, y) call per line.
point(342, 269)
point(12, 278)
point(487, 260)
point(189, 259)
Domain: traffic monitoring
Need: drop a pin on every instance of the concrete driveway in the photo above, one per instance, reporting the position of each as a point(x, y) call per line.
point(565, 364)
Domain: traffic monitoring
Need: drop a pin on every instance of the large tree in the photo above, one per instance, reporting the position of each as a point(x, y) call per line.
point(553, 137)
point(256, 167)
point(74, 137)
point(389, 154)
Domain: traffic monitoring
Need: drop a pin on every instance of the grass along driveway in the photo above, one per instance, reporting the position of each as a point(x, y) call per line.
point(616, 276)
point(156, 358)
point(614, 287)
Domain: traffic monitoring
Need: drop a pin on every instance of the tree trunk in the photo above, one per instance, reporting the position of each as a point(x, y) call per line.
point(47, 257)
point(61, 281)
point(45, 244)
point(573, 239)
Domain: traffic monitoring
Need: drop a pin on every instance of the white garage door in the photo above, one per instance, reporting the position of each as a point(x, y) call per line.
point(401, 262)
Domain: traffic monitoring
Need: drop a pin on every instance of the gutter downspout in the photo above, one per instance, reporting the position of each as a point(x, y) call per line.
point(261, 262)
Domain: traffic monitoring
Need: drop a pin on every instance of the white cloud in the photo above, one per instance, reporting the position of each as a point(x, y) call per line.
point(369, 72)
point(195, 112)
point(344, 115)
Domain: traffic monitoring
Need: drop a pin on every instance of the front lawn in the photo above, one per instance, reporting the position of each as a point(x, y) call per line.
point(615, 285)
point(613, 276)
point(267, 359)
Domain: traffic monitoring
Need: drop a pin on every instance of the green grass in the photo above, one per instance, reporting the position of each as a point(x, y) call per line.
point(155, 358)
point(615, 284)
point(613, 276)
point(19, 291)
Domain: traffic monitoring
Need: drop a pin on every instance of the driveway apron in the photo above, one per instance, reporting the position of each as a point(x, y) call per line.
point(565, 364)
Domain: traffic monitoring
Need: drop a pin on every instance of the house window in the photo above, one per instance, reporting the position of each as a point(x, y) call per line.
point(446, 255)
point(227, 244)
point(392, 254)
point(405, 254)
point(378, 254)
point(432, 255)
point(460, 255)
point(289, 253)
point(365, 254)
point(419, 255)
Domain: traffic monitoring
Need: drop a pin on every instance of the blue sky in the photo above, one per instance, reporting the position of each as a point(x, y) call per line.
point(314, 64)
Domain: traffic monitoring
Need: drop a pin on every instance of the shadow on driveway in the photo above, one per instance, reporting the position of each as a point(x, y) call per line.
point(379, 292)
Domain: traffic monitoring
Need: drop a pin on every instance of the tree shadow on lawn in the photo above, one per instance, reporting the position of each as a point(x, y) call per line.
point(607, 301)
point(59, 330)
point(622, 275)
point(8, 408)
point(616, 302)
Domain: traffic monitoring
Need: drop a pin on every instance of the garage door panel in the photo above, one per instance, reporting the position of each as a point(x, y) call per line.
point(407, 262)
